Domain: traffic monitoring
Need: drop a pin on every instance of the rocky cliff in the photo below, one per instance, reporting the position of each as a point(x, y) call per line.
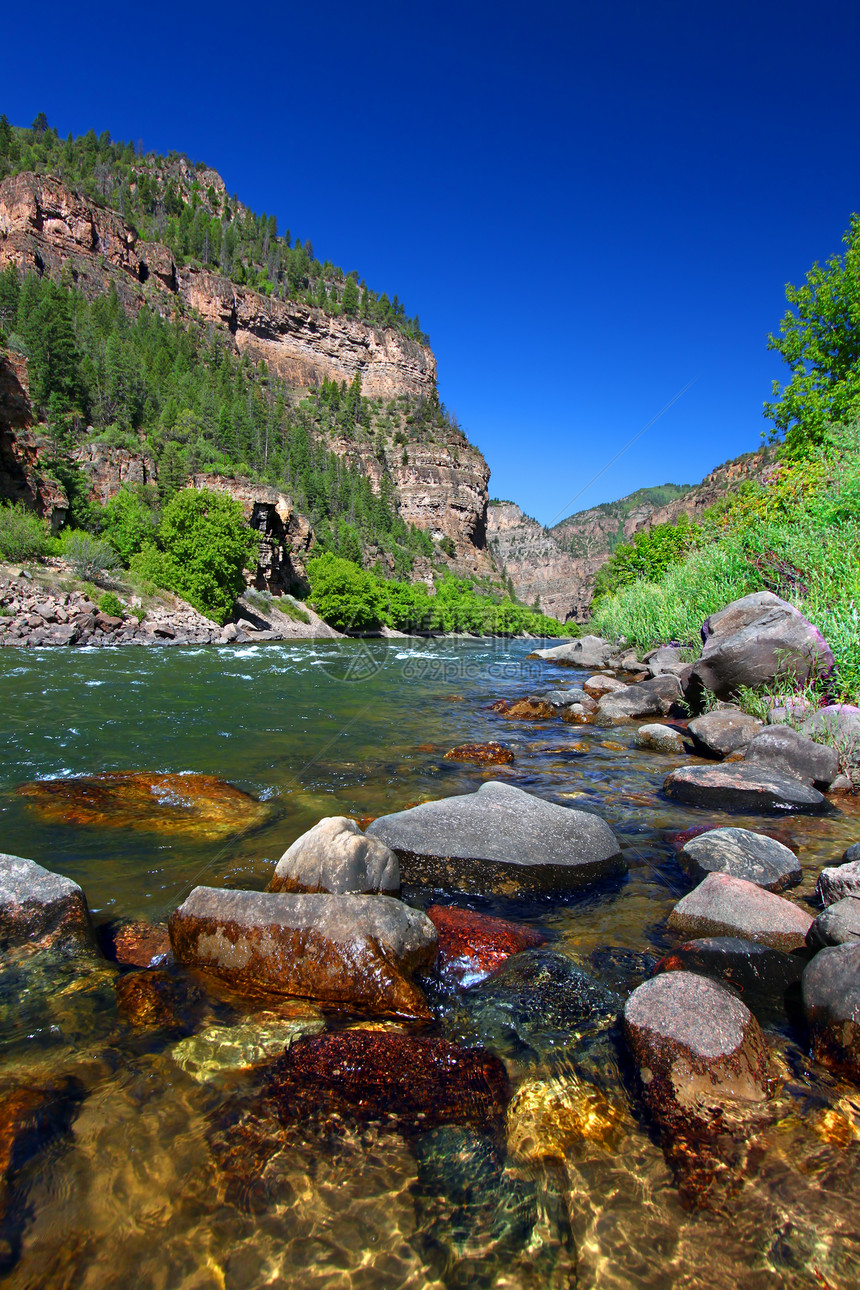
point(560, 564)
point(23, 475)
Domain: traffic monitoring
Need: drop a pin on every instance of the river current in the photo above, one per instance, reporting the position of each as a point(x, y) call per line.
point(132, 1192)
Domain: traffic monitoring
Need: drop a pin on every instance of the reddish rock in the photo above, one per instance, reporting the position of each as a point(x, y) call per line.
point(726, 906)
point(530, 710)
point(472, 944)
point(420, 1081)
point(151, 999)
point(135, 944)
point(501, 705)
point(490, 754)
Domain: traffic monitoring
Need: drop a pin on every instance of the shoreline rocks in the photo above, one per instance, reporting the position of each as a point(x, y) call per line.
point(646, 698)
point(739, 787)
point(38, 906)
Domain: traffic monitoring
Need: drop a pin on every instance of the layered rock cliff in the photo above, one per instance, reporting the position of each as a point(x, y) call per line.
point(24, 477)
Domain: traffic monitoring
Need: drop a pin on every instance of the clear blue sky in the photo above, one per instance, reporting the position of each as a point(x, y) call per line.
point(588, 205)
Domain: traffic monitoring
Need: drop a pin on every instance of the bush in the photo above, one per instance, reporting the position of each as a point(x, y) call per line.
point(346, 597)
point(23, 536)
point(91, 558)
point(129, 524)
point(112, 605)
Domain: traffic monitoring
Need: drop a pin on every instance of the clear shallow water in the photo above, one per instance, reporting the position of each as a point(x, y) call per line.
point(133, 1192)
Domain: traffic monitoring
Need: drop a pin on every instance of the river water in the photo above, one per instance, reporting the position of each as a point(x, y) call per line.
point(132, 1190)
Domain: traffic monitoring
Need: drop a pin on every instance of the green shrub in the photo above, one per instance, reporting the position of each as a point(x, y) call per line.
point(128, 524)
point(111, 604)
point(23, 536)
point(346, 597)
point(651, 553)
point(91, 558)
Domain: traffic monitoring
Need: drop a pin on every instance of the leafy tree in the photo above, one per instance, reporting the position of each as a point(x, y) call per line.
point(23, 536)
point(348, 598)
point(129, 524)
point(647, 557)
point(820, 340)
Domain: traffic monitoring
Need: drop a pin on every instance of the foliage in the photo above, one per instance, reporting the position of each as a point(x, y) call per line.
point(347, 597)
point(820, 341)
point(181, 204)
point(203, 545)
point(111, 604)
point(91, 558)
point(648, 556)
point(23, 536)
point(128, 523)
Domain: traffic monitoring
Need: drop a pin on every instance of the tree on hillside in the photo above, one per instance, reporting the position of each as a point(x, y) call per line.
point(820, 340)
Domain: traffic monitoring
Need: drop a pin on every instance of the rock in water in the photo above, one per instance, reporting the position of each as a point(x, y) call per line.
point(587, 652)
point(790, 753)
point(726, 906)
point(724, 731)
point(352, 950)
point(838, 925)
point(501, 840)
point(831, 999)
point(491, 754)
point(752, 969)
point(419, 1081)
point(135, 943)
point(738, 787)
point(640, 700)
point(659, 739)
point(217, 1049)
point(472, 944)
point(154, 1000)
point(198, 805)
point(699, 1052)
point(38, 906)
point(742, 854)
point(838, 881)
point(335, 856)
point(756, 640)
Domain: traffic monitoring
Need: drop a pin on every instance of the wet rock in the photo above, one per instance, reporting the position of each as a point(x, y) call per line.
point(530, 710)
point(739, 787)
point(790, 753)
point(641, 700)
point(473, 944)
point(587, 652)
point(838, 881)
point(217, 1049)
point(838, 925)
point(699, 1053)
point(659, 738)
point(831, 1000)
point(576, 713)
point(597, 686)
point(726, 906)
point(335, 856)
point(757, 640)
point(851, 854)
point(153, 999)
point(38, 906)
point(135, 943)
point(742, 854)
point(724, 731)
point(358, 951)
point(418, 1081)
point(500, 839)
point(756, 971)
point(196, 805)
point(561, 698)
point(557, 1118)
point(489, 754)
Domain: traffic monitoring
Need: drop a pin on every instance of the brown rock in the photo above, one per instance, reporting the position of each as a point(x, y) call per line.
point(151, 999)
point(530, 710)
point(199, 805)
point(417, 1081)
point(41, 907)
point(359, 951)
point(726, 906)
point(597, 686)
point(135, 944)
point(472, 944)
point(490, 754)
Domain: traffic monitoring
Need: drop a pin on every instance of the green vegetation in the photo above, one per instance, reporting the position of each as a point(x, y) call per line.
point(111, 604)
point(91, 558)
point(22, 535)
point(201, 549)
point(651, 553)
point(581, 544)
point(185, 206)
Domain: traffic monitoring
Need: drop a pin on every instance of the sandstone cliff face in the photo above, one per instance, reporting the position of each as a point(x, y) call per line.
point(23, 449)
point(46, 227)
point(532, 558)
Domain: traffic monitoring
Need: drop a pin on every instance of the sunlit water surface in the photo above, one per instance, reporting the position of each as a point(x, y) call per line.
point(134, 1191)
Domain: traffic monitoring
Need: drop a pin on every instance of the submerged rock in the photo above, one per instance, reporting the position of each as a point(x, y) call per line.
point(218, 1049)
point(501, 840)
point(838, 881)
point(739, 787)
point(838, 925)
point(417, 1081)
point(699, 1052)
point(530, 710)
point(751, 968)
point(135, 943)
point(831, 999)
point(38, 906)
point(790, 753)
point(742, 854)
point(489, 754)
point(353, 950)
point(153, 999)
point(335, 856)
point(473, 944)
point(553, 1119)
point(726, 906)
point(724, 731)
point(197, 805)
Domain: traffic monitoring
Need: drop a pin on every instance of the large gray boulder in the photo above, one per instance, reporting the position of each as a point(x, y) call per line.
point(787, 751)
point(735, 786)
point(587, 652)
point(665, 659)
point(831, 1000)
point(838, 881)
point(742, 854)
point(754, 641)
point(726, 906)
point(502, 840)
point(41, 907)
point(699, 1051)
point(724, 731)
point(335, 856)
point(644, 699)
point(838, 925)
point(355, 950)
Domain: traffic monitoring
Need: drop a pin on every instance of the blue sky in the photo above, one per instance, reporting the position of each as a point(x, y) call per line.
point(588, 205)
